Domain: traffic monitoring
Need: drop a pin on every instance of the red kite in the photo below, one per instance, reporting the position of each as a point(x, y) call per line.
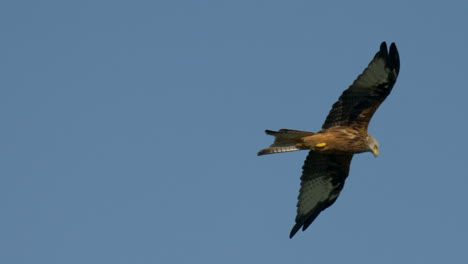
point(343, 134)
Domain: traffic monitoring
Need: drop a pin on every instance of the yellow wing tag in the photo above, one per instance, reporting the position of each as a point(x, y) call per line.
point(320, 145)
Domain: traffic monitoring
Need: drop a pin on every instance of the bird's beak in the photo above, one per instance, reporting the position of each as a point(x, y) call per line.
point(375, 152)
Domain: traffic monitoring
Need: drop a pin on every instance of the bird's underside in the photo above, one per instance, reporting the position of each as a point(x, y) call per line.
point(343, 134)
point(334, 140)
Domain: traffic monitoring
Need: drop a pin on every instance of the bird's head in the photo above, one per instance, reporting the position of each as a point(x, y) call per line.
point(373, 146)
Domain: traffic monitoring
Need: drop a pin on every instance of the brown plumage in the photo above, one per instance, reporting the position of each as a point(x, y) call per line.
point(343, 134)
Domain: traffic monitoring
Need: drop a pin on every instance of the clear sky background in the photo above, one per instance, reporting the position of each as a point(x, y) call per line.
point(129, 131)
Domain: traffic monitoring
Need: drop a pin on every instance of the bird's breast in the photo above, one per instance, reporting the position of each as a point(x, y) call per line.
point(335, 141)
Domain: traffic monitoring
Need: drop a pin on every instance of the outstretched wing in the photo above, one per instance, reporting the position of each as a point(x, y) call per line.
point(359, 102)
point(322, 180)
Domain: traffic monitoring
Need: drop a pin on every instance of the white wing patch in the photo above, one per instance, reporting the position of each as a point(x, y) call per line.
point(314, 192)
point(375, 74)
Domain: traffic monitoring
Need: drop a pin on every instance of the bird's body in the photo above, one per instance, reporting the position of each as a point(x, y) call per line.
point(343, 134)
point(350, 141)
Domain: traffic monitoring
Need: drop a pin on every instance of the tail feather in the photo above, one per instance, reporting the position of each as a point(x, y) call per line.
point(285, 141)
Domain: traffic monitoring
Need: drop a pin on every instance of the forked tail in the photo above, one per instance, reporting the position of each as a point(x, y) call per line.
point(285, 141)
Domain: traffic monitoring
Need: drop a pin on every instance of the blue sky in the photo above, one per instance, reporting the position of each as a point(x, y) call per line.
point(130, 130)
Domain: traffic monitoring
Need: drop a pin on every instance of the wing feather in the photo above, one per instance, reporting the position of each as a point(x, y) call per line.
point(322, 180)
point(359, 102)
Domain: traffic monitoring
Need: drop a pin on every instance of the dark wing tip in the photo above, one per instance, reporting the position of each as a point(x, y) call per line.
point(304, 221)
point(294, 230)
point(383, 49)
point(392, 58)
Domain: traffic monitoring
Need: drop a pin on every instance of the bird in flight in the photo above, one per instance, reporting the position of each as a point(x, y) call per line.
point(343, 134)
